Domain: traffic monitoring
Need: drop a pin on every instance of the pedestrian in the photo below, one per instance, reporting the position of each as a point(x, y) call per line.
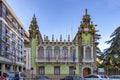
point(16, 76)
point(3, 76)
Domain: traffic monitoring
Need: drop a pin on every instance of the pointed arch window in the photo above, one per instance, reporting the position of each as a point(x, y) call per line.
point(65, 53)
point(57, 53)
point(88, 53)
point(49, 53)
point(41, 52)
point(73, 53)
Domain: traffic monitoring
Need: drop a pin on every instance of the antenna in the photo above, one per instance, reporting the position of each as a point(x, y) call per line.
point(71, 32)
point(66, 32)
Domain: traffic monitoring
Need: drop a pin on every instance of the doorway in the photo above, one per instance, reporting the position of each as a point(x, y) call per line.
point(86, 71)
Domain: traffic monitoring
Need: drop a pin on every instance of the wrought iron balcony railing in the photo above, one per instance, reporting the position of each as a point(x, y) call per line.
point(54, 59)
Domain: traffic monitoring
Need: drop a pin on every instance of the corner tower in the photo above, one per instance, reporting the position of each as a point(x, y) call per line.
point(35, 39)
point(86, 38)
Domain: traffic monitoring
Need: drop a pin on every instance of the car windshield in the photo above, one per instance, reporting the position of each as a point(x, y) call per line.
point(72, 78)
point(77, 77)
point(22, 74)
point(12, 74)
point(102, 76)
point(43, 77)
point(115, 76)
point(92, 76)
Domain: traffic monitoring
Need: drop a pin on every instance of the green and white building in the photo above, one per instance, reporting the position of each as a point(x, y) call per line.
point(58, 58)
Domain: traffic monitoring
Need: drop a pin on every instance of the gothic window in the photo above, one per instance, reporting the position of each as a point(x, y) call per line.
point(64, 53)
point(57, 53)
point(72, 53)
point(41, 52)
point(88, 53)
point(49, 53)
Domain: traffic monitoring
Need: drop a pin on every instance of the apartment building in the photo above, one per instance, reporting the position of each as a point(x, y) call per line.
point(12, 38)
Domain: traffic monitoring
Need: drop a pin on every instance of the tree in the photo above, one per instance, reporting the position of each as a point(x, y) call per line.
point(114, 49)
point(114, 42)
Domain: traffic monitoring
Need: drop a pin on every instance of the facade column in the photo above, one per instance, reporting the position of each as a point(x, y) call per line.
point(84, 52)
point(11, 67)
point(61, 53)
point(29, 67)
point(44, 53)
point(37, 52)
point(3, 68)
point(68, 52)
point(92, 52)
point(77, 53)
point(22, 68)
point(17, 68)
point(53, 53)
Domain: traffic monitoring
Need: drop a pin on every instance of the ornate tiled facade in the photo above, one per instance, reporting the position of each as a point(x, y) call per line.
point(61, 57)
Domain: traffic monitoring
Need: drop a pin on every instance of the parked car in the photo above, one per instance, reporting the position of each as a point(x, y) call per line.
point(114, 77)
point(42, 78)
point(72, 78)
point(95, 77)
point(16, 75)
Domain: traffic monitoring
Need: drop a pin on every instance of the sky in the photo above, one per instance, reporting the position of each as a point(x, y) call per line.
point(63, 17)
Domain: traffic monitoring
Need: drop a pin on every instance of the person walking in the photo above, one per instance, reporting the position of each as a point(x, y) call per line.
point(16, 76)
point(3, 76)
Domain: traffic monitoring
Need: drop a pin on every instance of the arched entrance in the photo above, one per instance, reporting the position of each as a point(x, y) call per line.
point(86, 71)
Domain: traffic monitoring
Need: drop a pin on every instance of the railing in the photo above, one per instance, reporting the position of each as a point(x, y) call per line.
point(54, 59)
point(88, 60)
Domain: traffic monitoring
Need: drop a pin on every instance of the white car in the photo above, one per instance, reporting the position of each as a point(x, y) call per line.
point(114, 77)
point(12, 75)
point(95, 77)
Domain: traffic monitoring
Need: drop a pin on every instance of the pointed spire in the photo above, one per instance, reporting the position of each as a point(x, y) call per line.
point(34, 15)
point(86, 18)
point(34, 18)
point(34, 22)
point(33, 27)
point(86, 11)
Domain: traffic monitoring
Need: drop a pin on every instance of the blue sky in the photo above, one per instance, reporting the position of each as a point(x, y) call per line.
point(63, 16)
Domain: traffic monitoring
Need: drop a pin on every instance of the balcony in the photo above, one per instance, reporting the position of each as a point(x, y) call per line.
point(9, 34)
point(54, 60)
point(9, 50)
point(88, 60)
point(8, 41)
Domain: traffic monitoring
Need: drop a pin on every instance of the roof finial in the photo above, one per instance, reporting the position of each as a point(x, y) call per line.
point(34, 15)
point(86, 11)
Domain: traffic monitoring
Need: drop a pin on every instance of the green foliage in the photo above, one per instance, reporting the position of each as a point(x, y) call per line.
point(114, 42)
point(114, 49)
point(97, 36)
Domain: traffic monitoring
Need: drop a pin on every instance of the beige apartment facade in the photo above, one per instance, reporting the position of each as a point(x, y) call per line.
point(12, 38)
